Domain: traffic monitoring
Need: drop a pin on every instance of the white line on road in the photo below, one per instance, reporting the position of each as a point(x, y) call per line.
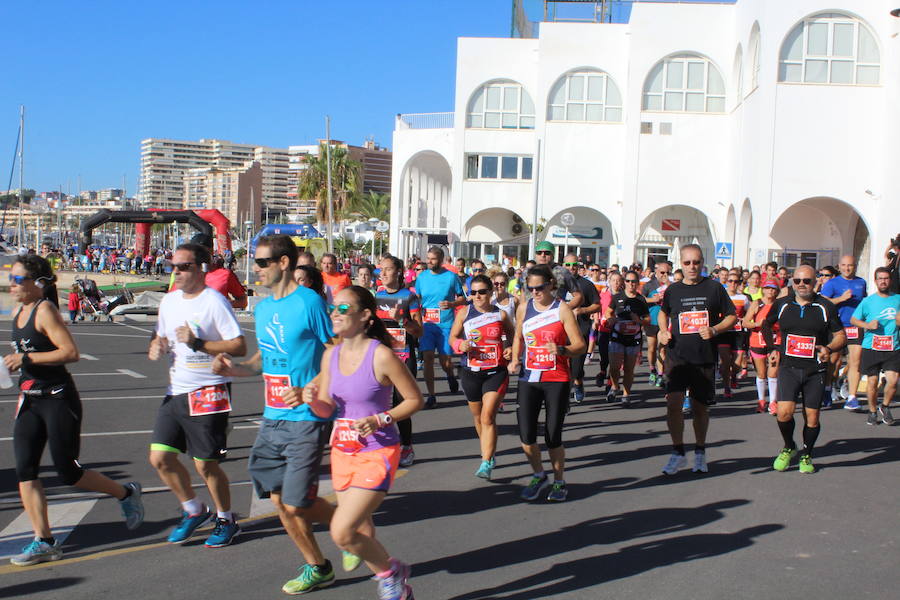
point(135, 327)
point(57, 498)
point(88, 356)
point(128, 372)
point(128, 335)
point(158, 396)
point(64, 516)
point(136, 432)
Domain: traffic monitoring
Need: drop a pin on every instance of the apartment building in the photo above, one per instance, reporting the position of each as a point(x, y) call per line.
point(233, 191)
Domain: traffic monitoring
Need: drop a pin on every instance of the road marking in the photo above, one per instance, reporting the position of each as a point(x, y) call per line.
point(128, 335)
point(51, 498)
point(88, 356)
point(158, 396)
point(135, 327)
point(64, 516)
point(128, 372)
point(137, 432)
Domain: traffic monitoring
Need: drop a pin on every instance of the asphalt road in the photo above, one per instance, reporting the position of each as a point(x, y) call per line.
point(627, 531)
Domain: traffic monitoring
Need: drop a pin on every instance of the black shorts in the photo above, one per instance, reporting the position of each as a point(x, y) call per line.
point(476, 384)
point(873, 362)
point(699, 379)
point(799, 385)
point(736, 340)
point(204, 437)
point(856, 341)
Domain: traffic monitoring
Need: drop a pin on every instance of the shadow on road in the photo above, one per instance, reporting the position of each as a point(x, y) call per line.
point(37, 587)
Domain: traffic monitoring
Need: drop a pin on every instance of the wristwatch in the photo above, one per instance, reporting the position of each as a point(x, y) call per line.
point(384, 419)
point(197, 345)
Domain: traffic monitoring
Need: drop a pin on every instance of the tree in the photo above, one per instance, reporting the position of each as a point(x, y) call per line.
point(346, 180)
point(371, 205)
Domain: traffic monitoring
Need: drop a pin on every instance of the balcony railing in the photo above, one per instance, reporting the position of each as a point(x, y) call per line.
point(441, 120)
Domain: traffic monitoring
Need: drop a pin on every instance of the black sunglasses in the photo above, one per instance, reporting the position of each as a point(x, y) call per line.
point(803, 280)
point(481, 292)
point(632, 280)
point(536, 288)
point(264, 262)
point(692, 262)
point(539, 252)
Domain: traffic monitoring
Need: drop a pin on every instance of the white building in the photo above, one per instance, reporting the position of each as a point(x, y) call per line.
point(771, 125)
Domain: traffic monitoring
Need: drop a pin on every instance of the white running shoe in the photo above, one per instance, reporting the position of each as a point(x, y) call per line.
point(700, 463)
point(676, 462)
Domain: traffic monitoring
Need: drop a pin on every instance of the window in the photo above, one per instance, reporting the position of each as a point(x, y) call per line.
point(585, 96)
point(754, 57)
point(684, 83)
point(491, 166)
point(501, 105)
point(830, 48)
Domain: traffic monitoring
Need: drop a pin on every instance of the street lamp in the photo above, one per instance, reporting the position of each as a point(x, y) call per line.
point(372, 223)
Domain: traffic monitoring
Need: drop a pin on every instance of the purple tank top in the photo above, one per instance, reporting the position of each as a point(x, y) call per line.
point(361, 395)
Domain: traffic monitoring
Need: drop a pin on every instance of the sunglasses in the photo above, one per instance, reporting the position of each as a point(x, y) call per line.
point(481, 292)
point(476, 270)
point(536, 288)
point(825, 275)
point(19, 279)
point(543, 252)
point(692, 262)
point(571, 264)
point(595, 269)
point(264, 262)
point(631, 280)
point(183, 266)
point(803, 280)
point(342, 309)
point(499, 284)
point(734, 281)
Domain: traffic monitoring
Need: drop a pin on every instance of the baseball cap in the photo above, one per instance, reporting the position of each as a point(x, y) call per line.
point(771, 284)
point(544, 246)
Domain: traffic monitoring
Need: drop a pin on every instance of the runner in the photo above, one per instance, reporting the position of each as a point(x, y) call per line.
point(565, 282)
point(292, 328)
point(482, 333)
point(195, 322)
point(653, 293)
point(846, 292)
point(365, 277)
point(503, 298)
point(810, 331)
point(49, 410)
point(878, 316)
point(599, 285)
point(627, 314)
point(584, 314)
point(765, 363)
point(547, 334)
point(698, 309)
point(441, 292)
point(355, 383)
point(753, 287)
point(604, 330)
point(398, 308)
point(334, 279)
point(221, 279)
point(731, 344)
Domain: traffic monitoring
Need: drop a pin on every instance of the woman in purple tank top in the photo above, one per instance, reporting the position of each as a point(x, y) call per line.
point(356, 385)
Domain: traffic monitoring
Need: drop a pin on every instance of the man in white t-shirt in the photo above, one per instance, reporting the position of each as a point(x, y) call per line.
point(195, 323)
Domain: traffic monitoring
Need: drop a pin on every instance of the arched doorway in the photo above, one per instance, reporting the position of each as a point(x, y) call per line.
point(666, 229)
point(745, 228)
point(495, 235)
point(730, 228)
point(819, 231)
point(590, 237)
point(423, 205)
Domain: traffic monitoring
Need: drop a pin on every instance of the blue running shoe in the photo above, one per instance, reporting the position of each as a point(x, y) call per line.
point(188, 525)
point(533, 489)
point(133, 507)
point(223, 534)
point(37, 552)
point(430, 401)
point(852, 404)
point(578, 392)
point(826, 400)
point(484, 471)
point(558, 493)
point(394, 586)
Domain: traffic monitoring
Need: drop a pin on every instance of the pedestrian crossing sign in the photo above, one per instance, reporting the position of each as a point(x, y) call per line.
point(724, 251)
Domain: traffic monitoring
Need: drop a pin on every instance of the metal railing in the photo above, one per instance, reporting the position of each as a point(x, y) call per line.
point(440, 120)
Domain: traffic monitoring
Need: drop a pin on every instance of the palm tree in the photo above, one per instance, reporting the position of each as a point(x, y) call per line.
point(346, 180)
point(370, 205)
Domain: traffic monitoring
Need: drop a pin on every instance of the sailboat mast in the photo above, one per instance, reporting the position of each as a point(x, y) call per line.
point(21, 223)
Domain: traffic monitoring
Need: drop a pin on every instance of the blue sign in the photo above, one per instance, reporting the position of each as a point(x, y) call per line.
point(724, 250)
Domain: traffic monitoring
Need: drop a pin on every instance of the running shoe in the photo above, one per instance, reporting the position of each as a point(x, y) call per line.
point(686, 407)
point(37, 552)
point(430, 402)
point(676, 462)
point(652, 378)
point(611, 395)
point(742, 374)
point(852, 404)
point(310, 578)
point(349, 561)
point(806, 466)
point(420, 365)
point(872, 419)
point(132, 507)
point(761, 406)
point(884, 412)
point(407, 456)
point(533, 489)
point(700, 463)
point(835, 395)
point(773, 407)
point(453, 382)
point(826, 399)
point(783, 460)
point(223, 533)
point(578, 394)
point(660, 382)
point(558, 492)
point(727, 394)
point(626, 401)
point(188, 525)
point(501, 409)
point(394, 585)
point(600, 379)
point(484, 471)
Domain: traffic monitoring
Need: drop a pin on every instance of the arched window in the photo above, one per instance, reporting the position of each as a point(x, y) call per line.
point(830, 48)
point(754, 57)
point(586, 95)
point(684, 83)
point(737, 74)
point(500, 105)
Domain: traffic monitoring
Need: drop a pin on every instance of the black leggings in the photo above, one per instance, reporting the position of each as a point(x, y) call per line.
point(602, 341)
point(554, 397)
point(405, 426)
point(53, 418)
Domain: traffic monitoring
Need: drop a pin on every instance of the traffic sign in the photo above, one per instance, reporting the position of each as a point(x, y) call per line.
point(382, 226)
point(724, 251)
point(567, 219)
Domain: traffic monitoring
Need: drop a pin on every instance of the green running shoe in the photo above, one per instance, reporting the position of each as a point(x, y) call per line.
point(806, 465)
point(349, 561)
point(783, 460)
point(310, 578)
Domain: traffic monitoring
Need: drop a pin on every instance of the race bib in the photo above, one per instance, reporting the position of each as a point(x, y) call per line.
point(692, 321)
point(629, 328)
point(852, 333)
point(345, 438)
point(209, 400)
point(883, 343)
point(276, 386)
point(398, 342)
point(800, 346)
point(432, 315)
point(483, 357)
point(539, 359)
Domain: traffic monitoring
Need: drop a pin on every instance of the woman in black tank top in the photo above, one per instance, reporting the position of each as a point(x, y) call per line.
point(49, 409)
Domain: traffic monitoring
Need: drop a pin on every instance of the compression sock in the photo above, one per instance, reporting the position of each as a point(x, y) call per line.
point(787, 432)
point(679, 449)
point(810, 434)
point(761, 388)
point(773, 389)
point(193, 506)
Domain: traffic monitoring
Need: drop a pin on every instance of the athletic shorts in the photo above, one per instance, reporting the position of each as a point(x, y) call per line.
point(699, 379)
point(873, 362)
point(617, 348)
point(859, 337)
point(372, 470)
point(651, 330)
point(286, 458)
point(435, 339)
point(799, 385)
point(204, 437)
point(553, 397)
point(476, 384)
point(758, 352)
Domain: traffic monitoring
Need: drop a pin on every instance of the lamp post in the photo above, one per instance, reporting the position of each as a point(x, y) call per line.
point(373, 222)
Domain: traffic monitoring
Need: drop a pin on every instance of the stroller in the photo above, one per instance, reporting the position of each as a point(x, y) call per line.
point(96, 304)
